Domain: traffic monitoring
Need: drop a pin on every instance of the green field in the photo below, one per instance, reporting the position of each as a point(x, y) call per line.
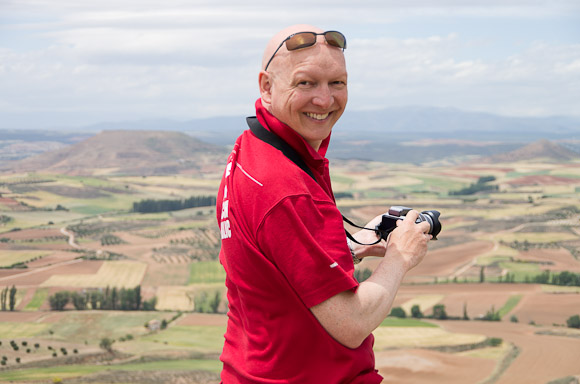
point(173, 257)
point(71, 371)
point(204, 339)
point(9, 258)
point(91, 326)
point(40, 296)
point(408, 322)
point(20, 330)
point(509, 305)
point(206, 272)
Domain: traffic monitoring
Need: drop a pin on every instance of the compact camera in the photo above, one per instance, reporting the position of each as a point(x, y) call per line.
point(389, 222)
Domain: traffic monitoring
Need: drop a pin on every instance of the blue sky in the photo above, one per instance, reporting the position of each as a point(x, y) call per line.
point(67, 63)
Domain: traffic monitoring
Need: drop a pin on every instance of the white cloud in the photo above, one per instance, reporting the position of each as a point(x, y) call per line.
point(86, 61)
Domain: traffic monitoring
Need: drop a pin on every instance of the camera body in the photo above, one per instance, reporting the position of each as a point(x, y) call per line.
point(398, 212)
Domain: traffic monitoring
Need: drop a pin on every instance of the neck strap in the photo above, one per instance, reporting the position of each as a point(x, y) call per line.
point(274, 140)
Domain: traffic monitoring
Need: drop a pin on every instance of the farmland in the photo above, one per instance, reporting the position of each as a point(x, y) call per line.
point(78, 234)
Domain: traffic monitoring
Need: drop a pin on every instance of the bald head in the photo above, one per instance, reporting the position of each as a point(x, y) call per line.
point(275, 41)
point(305, 88)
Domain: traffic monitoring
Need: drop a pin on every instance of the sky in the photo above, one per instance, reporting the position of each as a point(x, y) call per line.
point(70, 63)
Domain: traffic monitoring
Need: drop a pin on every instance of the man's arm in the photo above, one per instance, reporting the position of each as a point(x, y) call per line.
point(350, 317)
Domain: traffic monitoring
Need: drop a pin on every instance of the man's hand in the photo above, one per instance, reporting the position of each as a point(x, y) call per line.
point(409, 240)
point(350, 317)
point(368, 237)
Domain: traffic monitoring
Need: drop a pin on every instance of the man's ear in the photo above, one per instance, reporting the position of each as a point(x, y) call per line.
point(265, 80)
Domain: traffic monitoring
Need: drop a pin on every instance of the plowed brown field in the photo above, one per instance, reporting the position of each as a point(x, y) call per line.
point(417, 366)
point(542, 358)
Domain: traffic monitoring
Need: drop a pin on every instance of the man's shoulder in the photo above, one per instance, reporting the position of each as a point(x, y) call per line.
point(268, 168)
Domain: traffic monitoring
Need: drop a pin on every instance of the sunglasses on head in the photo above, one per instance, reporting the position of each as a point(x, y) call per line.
point(308, 39)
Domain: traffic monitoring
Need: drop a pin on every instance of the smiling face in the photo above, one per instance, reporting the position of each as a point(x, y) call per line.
point(307, 89)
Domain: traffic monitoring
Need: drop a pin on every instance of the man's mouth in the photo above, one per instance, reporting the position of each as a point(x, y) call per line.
point(317, 116)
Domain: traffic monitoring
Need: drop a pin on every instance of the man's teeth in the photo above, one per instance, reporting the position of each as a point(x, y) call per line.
point(317, 116)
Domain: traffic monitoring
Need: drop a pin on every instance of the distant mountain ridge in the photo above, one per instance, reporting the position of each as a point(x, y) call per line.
point(129, 152)
point(541, 149)
point(398, 123)
point(389, 135)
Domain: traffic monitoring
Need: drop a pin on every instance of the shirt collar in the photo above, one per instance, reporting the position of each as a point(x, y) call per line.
point(291, 137)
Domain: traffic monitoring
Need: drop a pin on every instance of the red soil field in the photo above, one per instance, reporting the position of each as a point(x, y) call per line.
point(542, 358)
point(30, 234)
point(446, 261)
point(442, 262)
point(202, 319)
point(415, 366)
point(561, 258)
point(479, 298)
point(548, 308)
point(8, 202)
point(28, 277)
point(21, 317)
point(543, 180)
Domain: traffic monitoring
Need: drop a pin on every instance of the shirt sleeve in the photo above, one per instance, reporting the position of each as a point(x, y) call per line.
point(306, 241)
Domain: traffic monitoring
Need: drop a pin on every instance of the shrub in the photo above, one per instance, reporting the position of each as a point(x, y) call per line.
point(439, 312)
point(514, 319)
point(492, 315)
point(58, 301)
point(398, 312)
point(573, 321)
point(106, 344)
point(416, 312)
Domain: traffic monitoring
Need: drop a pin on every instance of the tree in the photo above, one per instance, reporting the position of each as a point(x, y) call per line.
point(149, 305)
point(465, 317)
point(137, 297)
point(492, 315)
point(482, 274)
point(439, 312)
point(12, 302)
point(573, 322)
point(114, 298)
point(398, 312)
point(416, 312)
point(59, 300)
point(3, 297)
point(96, 299)
point(107, 344)
point(79, 301)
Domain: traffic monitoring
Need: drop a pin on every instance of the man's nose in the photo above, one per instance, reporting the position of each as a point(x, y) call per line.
point(323, 96)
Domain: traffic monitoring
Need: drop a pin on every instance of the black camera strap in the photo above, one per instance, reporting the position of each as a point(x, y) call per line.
point(274, 140)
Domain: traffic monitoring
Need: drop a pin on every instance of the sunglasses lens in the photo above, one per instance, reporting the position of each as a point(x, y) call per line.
point(335, 39)
point(301, 40)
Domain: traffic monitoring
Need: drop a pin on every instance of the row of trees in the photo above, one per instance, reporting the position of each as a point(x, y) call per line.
point(8, 298)
point(564, 278)
point(124, 299)
point(152, 205)
point(480, 186)
point(439, 313)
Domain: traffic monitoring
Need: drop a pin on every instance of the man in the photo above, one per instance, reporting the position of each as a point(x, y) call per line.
point(296, 313)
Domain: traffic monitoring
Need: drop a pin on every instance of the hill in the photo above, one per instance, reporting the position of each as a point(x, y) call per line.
point(541, 149)
point(128, 152)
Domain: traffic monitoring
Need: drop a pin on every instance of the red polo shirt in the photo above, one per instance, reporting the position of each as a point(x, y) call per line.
point(284, 250)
